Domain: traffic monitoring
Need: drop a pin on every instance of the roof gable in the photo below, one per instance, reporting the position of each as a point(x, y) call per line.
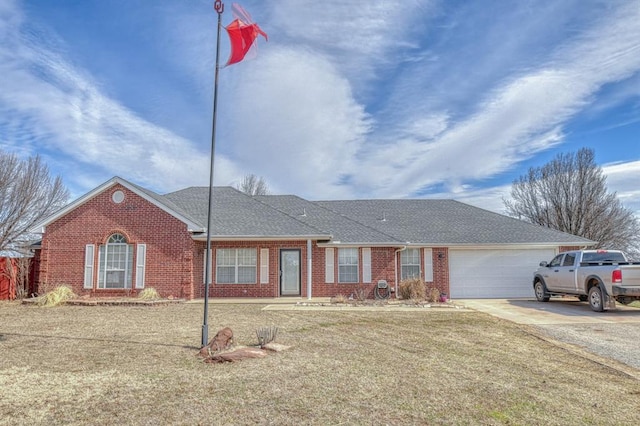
point(146, 194)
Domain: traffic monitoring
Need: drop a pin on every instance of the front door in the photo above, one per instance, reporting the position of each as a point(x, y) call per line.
point(290, 272)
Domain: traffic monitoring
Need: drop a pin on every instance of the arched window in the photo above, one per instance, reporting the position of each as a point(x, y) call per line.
point(116, 263)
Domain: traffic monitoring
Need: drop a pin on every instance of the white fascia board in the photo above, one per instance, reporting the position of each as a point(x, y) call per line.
point(200, 237)
point(40, 227)
point(355, 244)
point(506, 246)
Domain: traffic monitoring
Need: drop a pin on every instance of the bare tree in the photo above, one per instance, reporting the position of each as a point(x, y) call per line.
point(28, 195)
point(570, 194)
point(253, 185)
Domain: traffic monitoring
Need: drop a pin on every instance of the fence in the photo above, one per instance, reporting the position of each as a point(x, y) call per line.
point(17, 279)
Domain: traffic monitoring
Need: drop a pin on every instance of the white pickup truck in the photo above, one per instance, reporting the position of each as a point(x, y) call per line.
point(602, 277)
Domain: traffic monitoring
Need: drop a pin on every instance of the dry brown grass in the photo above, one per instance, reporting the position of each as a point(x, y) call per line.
point(149, 293)
point(137, 365)
point(56, 297)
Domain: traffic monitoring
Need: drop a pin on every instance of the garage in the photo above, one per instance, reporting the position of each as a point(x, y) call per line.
point(493, 273)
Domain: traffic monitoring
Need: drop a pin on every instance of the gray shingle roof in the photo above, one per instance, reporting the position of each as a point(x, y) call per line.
point(382, 222)
point(235, 214)
point(342, 227)
point(446, 222)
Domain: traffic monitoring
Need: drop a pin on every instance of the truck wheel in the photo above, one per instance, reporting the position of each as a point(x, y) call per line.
point(583, 298)
point(595, 299)
point(541, 292)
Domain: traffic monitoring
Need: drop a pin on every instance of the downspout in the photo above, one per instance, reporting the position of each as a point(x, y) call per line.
point(309, 265)
point(395, 267)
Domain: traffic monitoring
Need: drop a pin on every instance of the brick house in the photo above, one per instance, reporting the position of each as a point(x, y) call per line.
point(121, 238)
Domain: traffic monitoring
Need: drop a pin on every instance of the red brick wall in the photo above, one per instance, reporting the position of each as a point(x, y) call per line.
point(272, 289)
point(568, 248)
point(382, 268)
point(175, 263)
point(169, 259)
point(441, 269)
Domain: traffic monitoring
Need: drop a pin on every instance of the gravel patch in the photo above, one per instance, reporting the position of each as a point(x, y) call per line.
point(615, 341)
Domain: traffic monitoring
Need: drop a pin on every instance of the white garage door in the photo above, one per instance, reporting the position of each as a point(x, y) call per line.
point(494, 273)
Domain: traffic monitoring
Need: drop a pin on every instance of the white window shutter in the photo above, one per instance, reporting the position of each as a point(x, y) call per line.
point(264, 266)
point(89, 252)
point(328, 265)
point(141, 259)
point(366, 264)
point(428, 265)
point(204, 267)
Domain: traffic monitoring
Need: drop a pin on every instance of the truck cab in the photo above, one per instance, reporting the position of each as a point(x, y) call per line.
point(593, 275)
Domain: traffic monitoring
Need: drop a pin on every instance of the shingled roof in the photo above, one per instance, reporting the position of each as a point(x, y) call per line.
point(375, 222)
point(447, 222)
point(357, 222)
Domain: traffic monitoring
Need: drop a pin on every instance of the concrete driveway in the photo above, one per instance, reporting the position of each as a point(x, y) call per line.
point(612, 334)
point(556, 311)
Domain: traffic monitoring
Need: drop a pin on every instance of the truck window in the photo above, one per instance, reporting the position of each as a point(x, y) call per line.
point(569, 259)
point(603, 256)
point(556, 260)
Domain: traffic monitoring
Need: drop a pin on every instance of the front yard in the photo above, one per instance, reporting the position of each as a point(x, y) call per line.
point(137, 365)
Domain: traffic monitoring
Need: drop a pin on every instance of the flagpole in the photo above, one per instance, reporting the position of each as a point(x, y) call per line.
point(219, 7)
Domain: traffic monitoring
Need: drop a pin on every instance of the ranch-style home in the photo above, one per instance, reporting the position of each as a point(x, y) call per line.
point(120, 238)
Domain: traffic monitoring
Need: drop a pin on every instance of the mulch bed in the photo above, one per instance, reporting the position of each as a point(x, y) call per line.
point(112, 301)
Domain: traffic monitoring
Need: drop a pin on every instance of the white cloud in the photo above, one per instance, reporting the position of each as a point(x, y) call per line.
point(294, 118)
point(517, 119)
point(48, 105)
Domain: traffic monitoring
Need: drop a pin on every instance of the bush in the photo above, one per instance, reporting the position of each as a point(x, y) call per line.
point(339, 298)
point(433, 295)
point(57, 296)
point(149, 293)
point(412, 289)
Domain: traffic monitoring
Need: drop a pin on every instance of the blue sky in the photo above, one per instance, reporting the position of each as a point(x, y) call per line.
point(357, 99)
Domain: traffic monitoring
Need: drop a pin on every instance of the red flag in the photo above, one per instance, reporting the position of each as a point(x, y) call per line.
point(242, 33)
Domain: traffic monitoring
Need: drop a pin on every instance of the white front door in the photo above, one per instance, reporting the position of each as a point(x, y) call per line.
point(290, 272)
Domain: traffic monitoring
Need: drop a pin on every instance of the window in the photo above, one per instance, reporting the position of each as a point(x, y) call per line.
point(348, 265)
point(569, 259)
point(116, 261)
point(236, 266)
point(410, 263)
point(556, 260)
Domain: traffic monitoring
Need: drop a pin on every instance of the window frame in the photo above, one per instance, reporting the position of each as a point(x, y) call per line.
point(111, 259)
point(347, 263)
point(405, 264)
point(235, 262)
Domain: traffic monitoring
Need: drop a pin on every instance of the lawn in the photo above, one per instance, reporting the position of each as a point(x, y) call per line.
point(137, 365)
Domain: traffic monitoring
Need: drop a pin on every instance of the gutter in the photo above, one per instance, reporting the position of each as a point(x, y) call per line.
point(395, 267)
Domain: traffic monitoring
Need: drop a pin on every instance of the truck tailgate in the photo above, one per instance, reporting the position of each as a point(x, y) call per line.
point(630, 276)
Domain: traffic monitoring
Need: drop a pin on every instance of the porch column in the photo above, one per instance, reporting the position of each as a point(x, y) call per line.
point(309, 265)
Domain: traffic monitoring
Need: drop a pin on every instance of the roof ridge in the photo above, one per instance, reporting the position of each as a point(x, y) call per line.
point(285, 213)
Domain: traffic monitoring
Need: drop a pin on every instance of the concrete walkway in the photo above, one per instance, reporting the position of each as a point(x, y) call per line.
point(556, 311)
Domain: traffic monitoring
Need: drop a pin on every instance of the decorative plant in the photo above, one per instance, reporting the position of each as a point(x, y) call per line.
point(266, 335)
point(149, 293)
point(412, 289)
point(57, 296)
point(339, 298)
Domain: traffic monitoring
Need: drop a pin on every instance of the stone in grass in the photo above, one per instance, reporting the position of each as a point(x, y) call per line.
point(275, 347)
point(221, 342)
point(237, 355)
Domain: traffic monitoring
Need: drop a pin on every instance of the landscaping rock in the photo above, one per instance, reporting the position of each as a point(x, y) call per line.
point(237, 355)
point(276, 347)
point(222, 341)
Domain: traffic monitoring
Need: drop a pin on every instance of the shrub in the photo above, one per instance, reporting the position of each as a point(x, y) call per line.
point(57, 296)
point(149, 293)
point(339, 298)
point(362, 294)
point(412, 289)
point(433, 295)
